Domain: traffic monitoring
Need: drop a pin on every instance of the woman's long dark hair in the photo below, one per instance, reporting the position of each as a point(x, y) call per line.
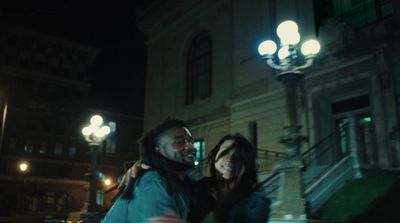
point(151, 157)
point(244, 156)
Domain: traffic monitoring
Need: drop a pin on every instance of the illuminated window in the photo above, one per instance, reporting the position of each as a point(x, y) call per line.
point(72, 151)
point(365, 120)
point(357, 13)
point(110, 145)
point(113, 126)
point(198, 80)
point(200, 150)
point(28, 147)
point(100, 197)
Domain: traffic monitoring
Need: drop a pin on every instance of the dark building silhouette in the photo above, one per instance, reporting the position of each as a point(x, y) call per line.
point(44, 93)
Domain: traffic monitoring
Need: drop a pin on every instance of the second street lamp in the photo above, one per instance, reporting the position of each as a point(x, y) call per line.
point(289, 64)
point(94, 135)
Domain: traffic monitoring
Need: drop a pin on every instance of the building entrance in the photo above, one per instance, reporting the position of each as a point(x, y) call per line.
point(357, 108)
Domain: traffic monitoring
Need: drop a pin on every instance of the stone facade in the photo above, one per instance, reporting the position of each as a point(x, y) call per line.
point(357, 66)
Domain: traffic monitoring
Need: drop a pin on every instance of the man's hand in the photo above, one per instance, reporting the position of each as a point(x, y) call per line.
point(131, 173)
point(167, 218)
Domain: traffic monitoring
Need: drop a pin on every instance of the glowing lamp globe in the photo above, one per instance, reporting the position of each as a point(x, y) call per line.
point(107, 182)
point(310, 47)
point(267, 47)
point(87, 130)
point(287, 28)
point(283, 52)
point(23, 166)
point(96, 120)
point(290, 39)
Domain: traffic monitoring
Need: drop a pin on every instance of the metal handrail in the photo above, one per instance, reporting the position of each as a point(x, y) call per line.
point(308, 153)
point(269, 179)
point(268, 154)
point(314, 147)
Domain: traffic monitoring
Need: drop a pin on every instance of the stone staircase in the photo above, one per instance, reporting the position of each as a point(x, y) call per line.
point(310, 174)
point(325, 172)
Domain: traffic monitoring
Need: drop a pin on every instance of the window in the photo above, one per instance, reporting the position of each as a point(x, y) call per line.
point(58, 149)
point(12, 144)
point(72, 151)
point(198, 80)
point(28, 147)
point(200, 150)
point(113, 126)
point(43, 147)
point(100, 197)
point(110, 145)
point(357, 13)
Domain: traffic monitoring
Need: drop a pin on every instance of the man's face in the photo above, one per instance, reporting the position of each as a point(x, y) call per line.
point(177, 144)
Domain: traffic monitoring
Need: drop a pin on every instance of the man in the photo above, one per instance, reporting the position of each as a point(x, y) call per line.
point(162, 190)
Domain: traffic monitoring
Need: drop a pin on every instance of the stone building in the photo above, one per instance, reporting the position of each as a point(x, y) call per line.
point(44, 90)
point(203, 67)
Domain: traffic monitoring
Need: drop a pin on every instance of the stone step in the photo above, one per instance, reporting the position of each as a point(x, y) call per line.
point(278, 220)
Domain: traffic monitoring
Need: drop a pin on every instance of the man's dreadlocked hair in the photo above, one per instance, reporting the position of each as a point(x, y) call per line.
point(147, 144)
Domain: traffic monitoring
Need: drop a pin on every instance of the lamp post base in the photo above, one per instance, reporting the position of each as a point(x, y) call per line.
point(291, 203)
point(286, 220)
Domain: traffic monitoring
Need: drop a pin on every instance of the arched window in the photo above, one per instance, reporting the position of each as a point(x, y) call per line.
point(199, 57)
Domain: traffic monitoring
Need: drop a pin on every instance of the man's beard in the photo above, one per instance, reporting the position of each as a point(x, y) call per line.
point(178, 166)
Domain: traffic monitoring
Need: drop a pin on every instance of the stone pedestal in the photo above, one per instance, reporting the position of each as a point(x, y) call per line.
point(291, 203)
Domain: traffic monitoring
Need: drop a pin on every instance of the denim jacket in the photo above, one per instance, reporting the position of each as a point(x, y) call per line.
point(150, 199)
point(252, 209)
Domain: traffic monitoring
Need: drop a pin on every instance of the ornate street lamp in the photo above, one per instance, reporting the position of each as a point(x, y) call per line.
point(289, 63)
point(94, 135)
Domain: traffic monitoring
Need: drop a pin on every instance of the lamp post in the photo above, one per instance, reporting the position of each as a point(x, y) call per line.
point(23, 168)
point(289, 63)
point(94, 135)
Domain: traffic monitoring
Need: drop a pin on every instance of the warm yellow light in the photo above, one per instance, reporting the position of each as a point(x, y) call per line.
point(283, 52)
point(287, 28)
point(268, 47)
point(290, 39)
point(87, 130)
point(310, 47)
point(99, 133)
point(106, 130)
point(23, 166)
point(107, 181)
point(96, 120)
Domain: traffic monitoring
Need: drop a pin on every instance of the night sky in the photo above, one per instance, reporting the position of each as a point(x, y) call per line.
point(118, 71)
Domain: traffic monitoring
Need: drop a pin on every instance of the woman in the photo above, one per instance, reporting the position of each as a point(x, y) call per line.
point(233, 167)
point(231, 194)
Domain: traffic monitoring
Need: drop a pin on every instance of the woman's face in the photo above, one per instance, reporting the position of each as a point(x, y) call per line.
point(225, 164)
